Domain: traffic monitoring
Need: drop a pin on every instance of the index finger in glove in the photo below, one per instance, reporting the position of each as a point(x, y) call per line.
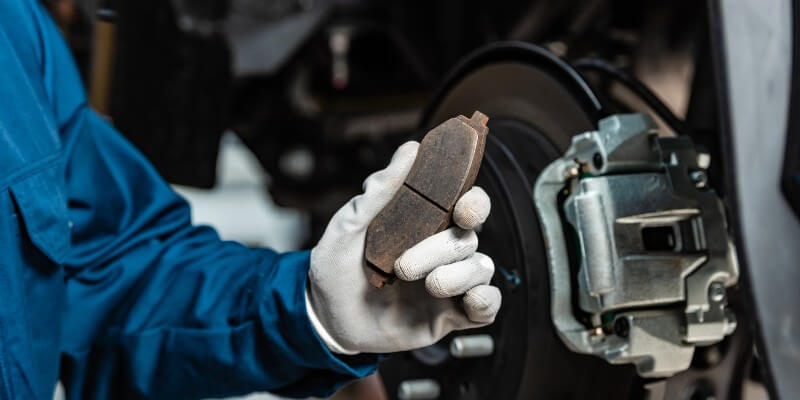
point(446, 247)
point(457, 278)
point(472, 208)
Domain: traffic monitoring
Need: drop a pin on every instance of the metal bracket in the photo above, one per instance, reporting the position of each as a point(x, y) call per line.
point(652, 252)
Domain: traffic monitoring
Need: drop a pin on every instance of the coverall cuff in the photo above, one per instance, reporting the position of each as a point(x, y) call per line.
point(299, 332)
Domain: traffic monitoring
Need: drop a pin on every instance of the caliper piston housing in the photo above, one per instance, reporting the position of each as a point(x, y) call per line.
point(644, 279)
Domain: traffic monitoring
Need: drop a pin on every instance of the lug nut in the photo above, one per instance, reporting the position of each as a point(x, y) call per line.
point(472, 346)
point(418, 389)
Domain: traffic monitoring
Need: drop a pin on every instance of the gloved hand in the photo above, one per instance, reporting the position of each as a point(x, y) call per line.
point(426, 302)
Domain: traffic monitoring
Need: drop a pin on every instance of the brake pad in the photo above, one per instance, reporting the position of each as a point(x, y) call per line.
point(447, 163)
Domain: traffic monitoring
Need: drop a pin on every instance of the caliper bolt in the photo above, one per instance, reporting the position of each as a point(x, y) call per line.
point(716, 292)
point(699, 178)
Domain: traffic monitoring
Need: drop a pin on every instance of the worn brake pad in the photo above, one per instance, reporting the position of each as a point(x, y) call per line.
point(447, 163)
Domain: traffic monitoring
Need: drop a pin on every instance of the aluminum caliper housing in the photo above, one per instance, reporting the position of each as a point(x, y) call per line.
point(637, 246)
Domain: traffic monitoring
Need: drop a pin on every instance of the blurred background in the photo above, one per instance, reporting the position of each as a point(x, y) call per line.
point(322, 91)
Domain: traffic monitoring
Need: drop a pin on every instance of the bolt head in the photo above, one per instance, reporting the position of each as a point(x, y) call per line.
point(716, 292)
point(571, 172)
point(699, 178)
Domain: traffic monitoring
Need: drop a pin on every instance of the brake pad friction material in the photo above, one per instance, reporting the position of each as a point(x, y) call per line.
point(447, 163)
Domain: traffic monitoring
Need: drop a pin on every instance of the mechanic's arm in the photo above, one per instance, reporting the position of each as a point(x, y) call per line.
point(159, 308)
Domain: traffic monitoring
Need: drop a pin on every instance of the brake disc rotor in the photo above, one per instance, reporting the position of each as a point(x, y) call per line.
point(536, 103)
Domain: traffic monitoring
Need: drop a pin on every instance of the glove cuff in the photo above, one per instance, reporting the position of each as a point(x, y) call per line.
point(326, 337)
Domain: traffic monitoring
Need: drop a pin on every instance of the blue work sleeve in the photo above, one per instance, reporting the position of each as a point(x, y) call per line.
point(155, 306)
point(159, 308)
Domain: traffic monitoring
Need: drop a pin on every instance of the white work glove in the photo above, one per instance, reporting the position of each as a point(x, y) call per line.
point(442, 285)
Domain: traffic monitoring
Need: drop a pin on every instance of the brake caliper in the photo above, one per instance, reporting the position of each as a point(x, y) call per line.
point(638, 247)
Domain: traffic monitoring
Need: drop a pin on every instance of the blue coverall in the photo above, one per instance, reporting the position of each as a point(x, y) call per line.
point(105, 284)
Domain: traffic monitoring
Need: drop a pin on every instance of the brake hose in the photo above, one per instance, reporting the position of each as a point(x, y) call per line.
point(637, 87)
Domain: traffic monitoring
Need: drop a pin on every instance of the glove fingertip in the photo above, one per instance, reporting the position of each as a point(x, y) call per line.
point(408, 149)
point(482, 303)
point(467, 219)
point(381, 186)
point(405, 269)
point(472, 208)
point(401, 162)
point(433, 284)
